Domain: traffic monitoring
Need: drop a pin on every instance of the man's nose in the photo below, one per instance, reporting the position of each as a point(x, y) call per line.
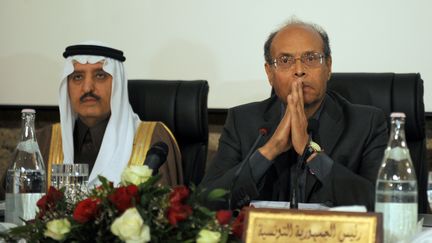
point(299, 68)
point(88, 84)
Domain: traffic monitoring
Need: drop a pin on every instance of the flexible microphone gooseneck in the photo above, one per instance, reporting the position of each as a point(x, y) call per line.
point(156, 156)
point(301, 162)
point(262, 133)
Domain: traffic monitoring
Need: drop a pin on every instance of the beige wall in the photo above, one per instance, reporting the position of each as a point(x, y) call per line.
point(217, 40)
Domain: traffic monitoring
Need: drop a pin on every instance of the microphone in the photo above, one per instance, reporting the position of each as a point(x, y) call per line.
point(156, 156)
point(262, 133)
point(312, 128)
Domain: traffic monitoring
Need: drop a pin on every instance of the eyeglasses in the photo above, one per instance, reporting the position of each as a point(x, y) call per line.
point(310, 59)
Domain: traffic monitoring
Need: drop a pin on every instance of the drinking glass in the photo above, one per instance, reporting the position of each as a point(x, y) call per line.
point(72, 177)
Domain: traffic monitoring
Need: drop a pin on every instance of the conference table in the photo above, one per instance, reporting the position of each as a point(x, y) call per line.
point(425, 235)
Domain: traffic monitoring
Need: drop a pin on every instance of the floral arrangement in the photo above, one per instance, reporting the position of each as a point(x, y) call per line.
point(138, 210)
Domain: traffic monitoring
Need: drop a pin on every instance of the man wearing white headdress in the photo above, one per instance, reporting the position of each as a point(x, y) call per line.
point(97, 124)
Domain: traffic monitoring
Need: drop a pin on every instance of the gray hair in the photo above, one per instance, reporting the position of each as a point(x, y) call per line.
point(326, 42)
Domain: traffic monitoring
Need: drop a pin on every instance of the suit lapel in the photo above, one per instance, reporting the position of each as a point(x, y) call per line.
point(331, 126)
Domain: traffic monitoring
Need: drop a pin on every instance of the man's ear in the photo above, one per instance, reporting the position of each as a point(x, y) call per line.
point(329, 66)
point(269, 73)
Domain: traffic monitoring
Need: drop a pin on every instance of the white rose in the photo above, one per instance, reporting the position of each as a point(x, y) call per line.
point(57, 229)
point(130, 227)
point(136, 174)
point(208, 236)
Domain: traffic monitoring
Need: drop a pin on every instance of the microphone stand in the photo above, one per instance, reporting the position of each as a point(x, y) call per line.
point(295, 192)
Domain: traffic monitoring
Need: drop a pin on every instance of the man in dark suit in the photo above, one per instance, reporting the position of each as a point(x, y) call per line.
point(305, 143)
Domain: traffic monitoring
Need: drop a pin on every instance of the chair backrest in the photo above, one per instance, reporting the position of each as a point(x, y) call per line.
point(393, 93)
point(182, 106)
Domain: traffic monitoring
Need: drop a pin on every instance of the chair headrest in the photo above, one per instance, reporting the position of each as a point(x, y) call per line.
point(181, 105)
point(389, 91)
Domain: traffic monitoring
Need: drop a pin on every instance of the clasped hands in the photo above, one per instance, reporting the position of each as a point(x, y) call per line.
point(292, 129)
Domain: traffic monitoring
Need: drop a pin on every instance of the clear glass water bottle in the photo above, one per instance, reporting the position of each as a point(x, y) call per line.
point(396, 187)
point(26, 177)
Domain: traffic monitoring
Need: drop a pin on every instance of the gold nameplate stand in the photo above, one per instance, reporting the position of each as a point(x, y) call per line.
point(286, 225)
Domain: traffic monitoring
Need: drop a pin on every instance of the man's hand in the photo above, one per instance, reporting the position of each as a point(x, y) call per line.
point(292, 129)
point(299, 123)
point(281, 139)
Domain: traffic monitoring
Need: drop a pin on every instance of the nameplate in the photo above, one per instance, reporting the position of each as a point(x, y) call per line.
point(286, 225)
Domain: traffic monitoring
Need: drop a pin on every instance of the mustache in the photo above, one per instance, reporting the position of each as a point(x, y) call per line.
point(89, 94)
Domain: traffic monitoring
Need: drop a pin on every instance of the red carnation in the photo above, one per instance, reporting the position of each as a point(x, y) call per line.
point(237, 225)
point(178, 212)
point(42, 204)
point(223, 216)
point(48, 201)
point(179, 194)
point(50, 198)
point(124, 197)
point(86, 210)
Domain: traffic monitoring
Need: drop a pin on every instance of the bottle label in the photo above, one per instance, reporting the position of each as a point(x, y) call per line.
point(399, 220)
point(397, 153)
point(21, 205)
point(29, 146)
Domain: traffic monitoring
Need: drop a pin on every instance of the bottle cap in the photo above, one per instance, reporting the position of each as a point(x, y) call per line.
point(28, 111)
point(397, 114)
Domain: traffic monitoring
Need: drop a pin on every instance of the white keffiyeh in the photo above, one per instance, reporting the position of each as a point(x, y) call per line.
point(116, 147)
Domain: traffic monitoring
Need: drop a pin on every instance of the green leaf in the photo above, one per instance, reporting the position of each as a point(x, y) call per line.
point(216, 194)
point(206, 211)
point(103, 180)
point(224, 236)
point(149, 185)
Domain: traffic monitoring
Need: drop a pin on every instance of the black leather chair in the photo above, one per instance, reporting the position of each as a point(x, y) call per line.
point(182, 106)
point(393, 93)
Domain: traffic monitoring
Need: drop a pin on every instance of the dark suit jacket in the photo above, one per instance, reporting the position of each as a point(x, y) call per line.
point(353, 139)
